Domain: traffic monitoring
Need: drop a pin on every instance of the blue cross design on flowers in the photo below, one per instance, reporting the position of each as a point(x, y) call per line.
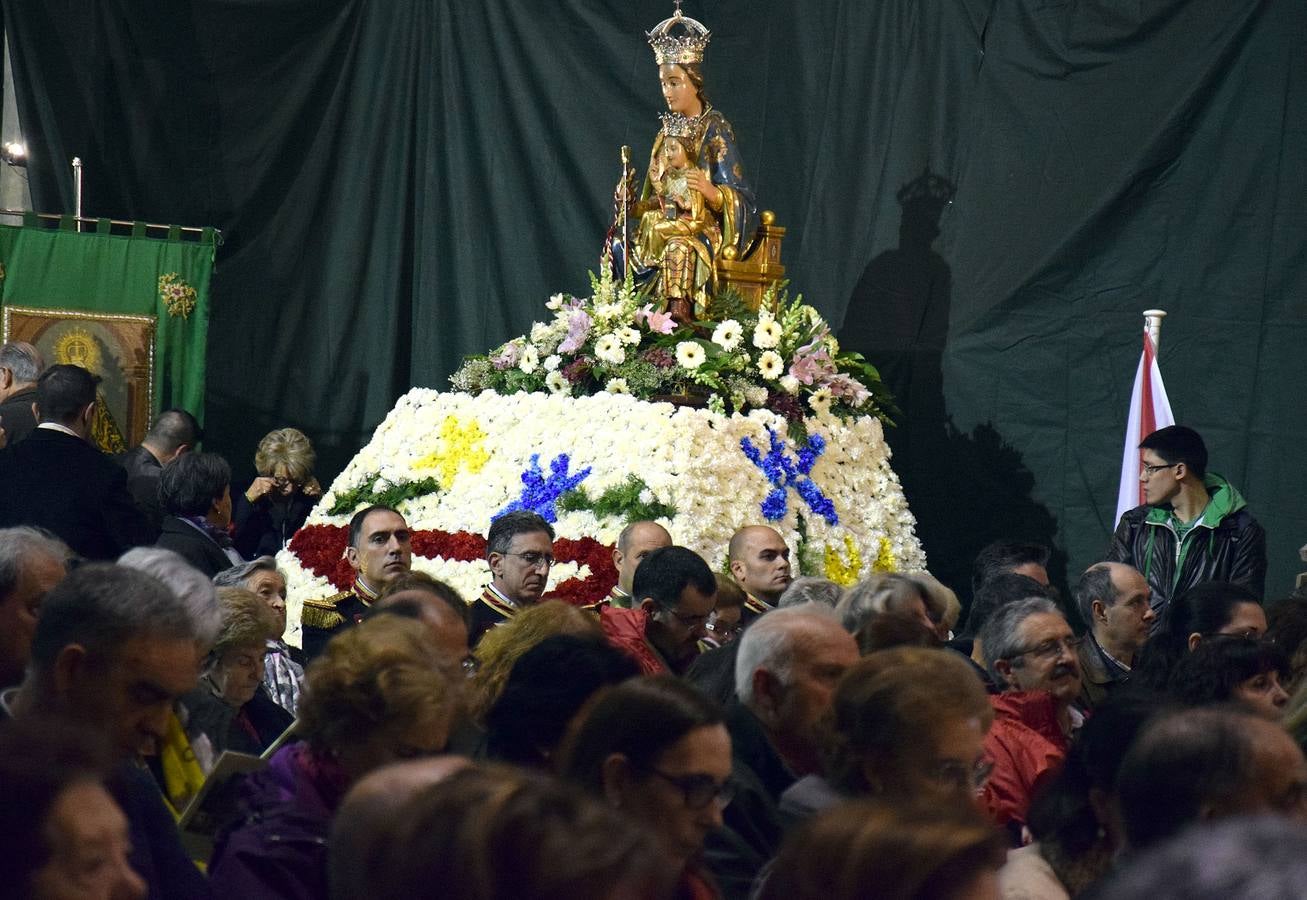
point(540, 492)
point(785, 472)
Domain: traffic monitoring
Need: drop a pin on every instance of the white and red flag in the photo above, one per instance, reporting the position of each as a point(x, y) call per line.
point(1150, 409)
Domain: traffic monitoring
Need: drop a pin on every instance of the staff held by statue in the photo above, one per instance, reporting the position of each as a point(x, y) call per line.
point(626, 205)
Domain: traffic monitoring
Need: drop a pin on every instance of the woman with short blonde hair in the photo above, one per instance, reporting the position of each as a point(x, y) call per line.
point(269, 512)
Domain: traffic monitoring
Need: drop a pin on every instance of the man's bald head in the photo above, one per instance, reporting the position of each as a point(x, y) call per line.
point(637, 541)
point(370, 807)
point(760, 562)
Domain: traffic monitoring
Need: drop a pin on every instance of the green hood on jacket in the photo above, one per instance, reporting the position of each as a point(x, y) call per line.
point(1225, 501)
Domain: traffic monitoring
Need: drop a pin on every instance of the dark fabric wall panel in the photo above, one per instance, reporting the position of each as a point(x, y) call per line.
point(403, 183)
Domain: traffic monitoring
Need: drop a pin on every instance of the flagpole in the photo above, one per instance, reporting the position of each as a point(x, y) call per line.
point(1153, 322)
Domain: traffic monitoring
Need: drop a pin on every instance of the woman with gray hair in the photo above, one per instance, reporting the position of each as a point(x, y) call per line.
point(283, 676)
point(881, 594)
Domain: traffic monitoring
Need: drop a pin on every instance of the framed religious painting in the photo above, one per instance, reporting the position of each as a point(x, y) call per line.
point(118, 348)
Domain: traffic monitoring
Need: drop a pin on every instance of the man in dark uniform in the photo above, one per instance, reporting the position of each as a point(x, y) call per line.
point(760, 564)
point(520, 552)
point(380, 550)
point(636, 541)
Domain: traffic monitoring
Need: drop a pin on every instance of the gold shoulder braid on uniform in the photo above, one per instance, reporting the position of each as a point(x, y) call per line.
point(323, 613)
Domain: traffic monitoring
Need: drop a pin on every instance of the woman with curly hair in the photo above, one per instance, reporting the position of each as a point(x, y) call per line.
point(230, 709)
point(377, 694)
point(276, 503)
point(905, 723)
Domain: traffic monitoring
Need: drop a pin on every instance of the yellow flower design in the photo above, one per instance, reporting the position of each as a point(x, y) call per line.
point(885, 561)
point(461, 449)
point(839, 570)
point(178, 297)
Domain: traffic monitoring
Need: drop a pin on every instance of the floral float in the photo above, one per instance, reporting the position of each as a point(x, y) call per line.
point(611, 413)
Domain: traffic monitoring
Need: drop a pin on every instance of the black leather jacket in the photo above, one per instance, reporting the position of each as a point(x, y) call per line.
point(1234, 550)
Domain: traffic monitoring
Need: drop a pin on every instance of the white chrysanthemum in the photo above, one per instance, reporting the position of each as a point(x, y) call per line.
point(767, 334)
point(770, 364)
point(690, 355)
point(530, 360)
point(557, 384)
point(609, 349)
point(728, 335)
point(629, 336)
point(789, 384)
point(617, 386)
point(553, 362)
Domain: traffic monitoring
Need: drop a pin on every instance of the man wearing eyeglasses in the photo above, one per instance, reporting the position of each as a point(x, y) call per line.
point(380, 550)
point(676, 592)
point(520, 553)
point(1030, 651)
point(1193, 527)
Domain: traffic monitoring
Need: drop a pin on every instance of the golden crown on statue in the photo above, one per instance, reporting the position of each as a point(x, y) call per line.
point(681, 49)
point(679, 126)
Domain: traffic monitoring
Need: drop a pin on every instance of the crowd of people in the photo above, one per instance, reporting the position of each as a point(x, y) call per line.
point(696, 734)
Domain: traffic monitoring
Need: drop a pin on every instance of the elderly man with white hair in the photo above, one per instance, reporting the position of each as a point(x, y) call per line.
point(786, 669)
point(21, 365)
point(32, 562)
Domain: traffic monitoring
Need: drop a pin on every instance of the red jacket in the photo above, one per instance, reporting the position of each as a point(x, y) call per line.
point(1026, 746)
point(624, 629)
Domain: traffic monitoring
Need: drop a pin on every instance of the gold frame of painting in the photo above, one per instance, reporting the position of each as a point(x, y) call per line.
point(116, 346)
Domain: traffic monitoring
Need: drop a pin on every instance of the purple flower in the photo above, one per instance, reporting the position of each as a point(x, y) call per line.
point(507, 357)
point(659, 358)
point(578, 329)
point(578, 370)
point(812, 367)
point(785, 405)
point(848, 388)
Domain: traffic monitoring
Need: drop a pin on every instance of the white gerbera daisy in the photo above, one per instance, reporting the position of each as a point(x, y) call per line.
point(767, 334)
point(617, 386)
point(690, 355)
point(609, 349)
point(530, 360)
point(770, 365)
point(820, 401)
point(728, 335)
point(557, 384)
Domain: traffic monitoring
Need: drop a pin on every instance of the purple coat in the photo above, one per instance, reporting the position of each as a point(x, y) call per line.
point(278, 849)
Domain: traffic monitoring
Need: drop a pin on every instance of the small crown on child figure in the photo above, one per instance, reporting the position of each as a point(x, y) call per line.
point(679, 50)
point(679, 126)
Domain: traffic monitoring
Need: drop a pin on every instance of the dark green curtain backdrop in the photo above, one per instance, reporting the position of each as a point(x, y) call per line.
point(404, 182)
